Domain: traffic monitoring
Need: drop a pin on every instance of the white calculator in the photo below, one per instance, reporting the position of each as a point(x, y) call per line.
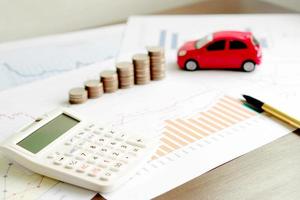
point(61, 145)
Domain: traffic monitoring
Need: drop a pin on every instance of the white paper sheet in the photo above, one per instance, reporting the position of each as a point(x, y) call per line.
point(278, 34)
point(33, 59)
point(144, 110)
point(275, 80)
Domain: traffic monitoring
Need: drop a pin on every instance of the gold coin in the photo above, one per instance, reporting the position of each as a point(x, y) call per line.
point(108, 75)
point(155, 50)
point(77, 92)
point(124, 66)
point(140, 57)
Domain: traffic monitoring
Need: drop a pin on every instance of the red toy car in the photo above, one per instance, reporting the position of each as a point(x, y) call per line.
point(221, 50)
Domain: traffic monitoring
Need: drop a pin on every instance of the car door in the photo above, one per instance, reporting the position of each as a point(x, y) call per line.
point(213, 55)
point(238, 51)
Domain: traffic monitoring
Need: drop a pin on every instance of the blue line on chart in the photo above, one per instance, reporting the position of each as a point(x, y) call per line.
point(11, 69)
point(78, 65)
point(5, 180)
point(174, 40)
point(162, 38)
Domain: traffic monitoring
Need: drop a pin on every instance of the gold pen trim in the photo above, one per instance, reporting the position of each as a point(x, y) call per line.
point(280, 115)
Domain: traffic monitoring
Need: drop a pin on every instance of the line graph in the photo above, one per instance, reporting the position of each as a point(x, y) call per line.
point(13, 116)
point(27, 61)
point(43, 72)
point(19, 183)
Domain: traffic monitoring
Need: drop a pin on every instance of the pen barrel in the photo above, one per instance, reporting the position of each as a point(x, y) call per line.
point(282, 116)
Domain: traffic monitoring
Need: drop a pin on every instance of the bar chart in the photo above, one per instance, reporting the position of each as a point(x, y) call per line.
point(180, 132)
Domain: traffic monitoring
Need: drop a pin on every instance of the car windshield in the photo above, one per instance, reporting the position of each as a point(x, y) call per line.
point(255, 41)
point(203, 41)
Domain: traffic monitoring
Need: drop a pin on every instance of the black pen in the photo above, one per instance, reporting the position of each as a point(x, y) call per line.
point(261, 106)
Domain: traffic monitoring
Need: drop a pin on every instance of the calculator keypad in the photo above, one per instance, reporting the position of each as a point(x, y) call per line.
point(98, 153)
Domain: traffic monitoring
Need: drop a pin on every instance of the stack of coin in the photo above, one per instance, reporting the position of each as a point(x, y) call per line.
point(157, 62)
point(94, 88)
point(125, 74)
point(109, 79)
point(77, 95)
point(141, 65)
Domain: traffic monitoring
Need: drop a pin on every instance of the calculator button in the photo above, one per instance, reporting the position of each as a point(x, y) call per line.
point(112, 144)
point(90, 126)
point(93, 159)
point(83, 167)
point(101, 129)
point(71, 164)
point(68, 143)
point(94, 172)
point(81, 133)
point(100, 140)
point(104, 163)
point(117, 166)
point(71, 141)
point(123, 147)
point(103, 150)
point(50, 156)
point(82, 155)
point(137, 141)
point(71, 152)
point(106, 176)
point(90, 136)
point(120, 137)
point(134, 151)
point(97, 132)
point(126, 158)
point(59, 160)
point(114, 154)
point(81, 143)
point(110, 133)
point(91, 147)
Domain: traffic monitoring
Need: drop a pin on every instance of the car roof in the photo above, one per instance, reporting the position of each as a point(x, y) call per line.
point(231, 35)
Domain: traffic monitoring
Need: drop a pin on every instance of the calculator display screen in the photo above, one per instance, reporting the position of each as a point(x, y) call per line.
point(46, 134)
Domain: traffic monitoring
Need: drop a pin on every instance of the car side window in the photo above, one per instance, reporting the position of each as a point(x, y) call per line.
point(235, 44)
point(216, 46)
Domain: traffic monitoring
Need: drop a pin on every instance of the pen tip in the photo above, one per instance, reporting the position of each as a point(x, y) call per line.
point(245, 96)
point(252, 101)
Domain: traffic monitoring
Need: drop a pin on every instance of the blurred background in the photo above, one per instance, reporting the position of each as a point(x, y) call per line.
point(30, 18)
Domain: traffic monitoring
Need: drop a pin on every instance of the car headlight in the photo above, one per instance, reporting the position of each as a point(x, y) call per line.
point(182, 53)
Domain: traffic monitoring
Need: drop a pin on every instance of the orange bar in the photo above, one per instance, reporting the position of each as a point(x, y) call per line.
point(221, 116)
point(169, 135)
point(227, 107)
point(210, 123)
point(168, 142)
point(166, 149)
point(229, 114)
point(184, 129)
point(201, 125)
point(238, 104)
point(154, 157)
point(159, 153)
point(192, 127)
point(215, 119)
point(233, 99)
point(239, 107)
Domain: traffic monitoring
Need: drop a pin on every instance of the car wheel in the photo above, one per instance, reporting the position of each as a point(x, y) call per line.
point(191, 65)
point(248, 66)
